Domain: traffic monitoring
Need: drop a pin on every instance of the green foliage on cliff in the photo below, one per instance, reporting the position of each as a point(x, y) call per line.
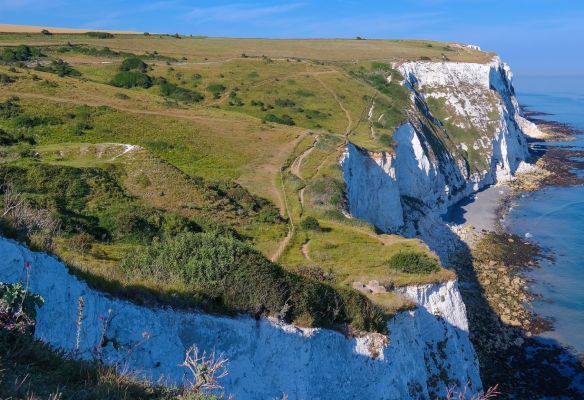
point(413, 262)
point(230, 275)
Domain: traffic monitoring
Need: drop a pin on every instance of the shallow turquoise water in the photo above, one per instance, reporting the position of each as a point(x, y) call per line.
point(554, 217)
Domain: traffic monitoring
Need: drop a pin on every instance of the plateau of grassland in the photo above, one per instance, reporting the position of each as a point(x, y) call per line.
point(135, 143)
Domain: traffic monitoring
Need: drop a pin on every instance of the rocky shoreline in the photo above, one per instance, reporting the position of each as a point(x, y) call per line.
point(495, 288)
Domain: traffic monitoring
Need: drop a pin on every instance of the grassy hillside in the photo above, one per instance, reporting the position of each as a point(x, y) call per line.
point(137, 145)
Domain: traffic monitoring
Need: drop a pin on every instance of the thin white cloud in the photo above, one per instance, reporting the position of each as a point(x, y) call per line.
point(239, 12)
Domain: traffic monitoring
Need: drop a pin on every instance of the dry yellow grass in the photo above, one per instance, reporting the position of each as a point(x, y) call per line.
point(11, 28)
point(210, 49)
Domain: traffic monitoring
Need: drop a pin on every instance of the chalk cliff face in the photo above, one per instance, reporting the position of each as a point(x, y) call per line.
point(465, 131)
point(266, 359)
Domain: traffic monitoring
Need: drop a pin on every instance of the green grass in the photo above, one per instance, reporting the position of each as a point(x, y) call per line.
point(230, 276)
point(218, 133)
point(199, 48)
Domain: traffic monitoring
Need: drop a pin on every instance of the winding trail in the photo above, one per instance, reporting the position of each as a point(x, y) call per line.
point(291, 228)
point(340, 103)
point(305, 251)
point(301, 196)
point(295, 170)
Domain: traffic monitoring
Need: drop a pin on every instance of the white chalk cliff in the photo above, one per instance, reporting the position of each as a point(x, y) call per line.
point(431, 165)
point(267, 359)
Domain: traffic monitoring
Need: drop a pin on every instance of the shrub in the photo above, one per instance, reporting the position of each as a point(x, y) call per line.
point(133, 64)
point(130, 79)
point(82, 242)
point(285, 103)
point(412, 262)
point(326, 193)
point(10, 108)
point(380, 66)
point(216, 89)
point(284, 119)
point(20, 53)
point(17, 308)
point(100, 35)
point(27, 121)
point(59, 67)
point(179, 93)
point(233, 276)
point(5, 79)
point(310, 224)
point(268, 214)
point(11, 138)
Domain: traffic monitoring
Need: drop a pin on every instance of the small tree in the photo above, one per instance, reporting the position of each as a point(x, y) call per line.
point(310, 224)
point(133, 63)
point(206, 370)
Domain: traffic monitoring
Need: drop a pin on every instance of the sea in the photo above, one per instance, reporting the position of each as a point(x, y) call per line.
point(553, 217)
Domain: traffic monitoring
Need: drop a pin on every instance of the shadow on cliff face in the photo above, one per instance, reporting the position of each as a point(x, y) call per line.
point(523, 365)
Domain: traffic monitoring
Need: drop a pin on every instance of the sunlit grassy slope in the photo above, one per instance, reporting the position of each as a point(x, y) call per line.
point(269, 115)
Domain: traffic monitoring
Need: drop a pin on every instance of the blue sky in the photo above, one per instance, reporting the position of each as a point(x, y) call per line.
point(534, 36)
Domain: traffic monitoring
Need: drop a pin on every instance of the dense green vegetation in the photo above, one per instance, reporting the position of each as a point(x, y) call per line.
point(413, 263)
point(20, 53)
point(89, 200)
point(310, 224)
point(133, 63)
point(130, 79)
point(284, 119)
point(179, 93)
point(100, 35)
point(12, 138)
point(108, 52)
point(58, 67)
point(231, 275)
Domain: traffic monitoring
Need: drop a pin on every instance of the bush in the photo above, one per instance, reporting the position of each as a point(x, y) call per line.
point(17, 309)
point(285, 103)
point(179, 93)
point(326, 193)
point(27, 121)
point(130, 79)
point(20, 53)
point(5, 79)
point(133, 64)
point(216, 89)
point(310, 224)
point(284, 119)
point(233, 276)
point(100, 35)
point(10, 108)
point(413, 263)
point(60, 68)
point(11, 138)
